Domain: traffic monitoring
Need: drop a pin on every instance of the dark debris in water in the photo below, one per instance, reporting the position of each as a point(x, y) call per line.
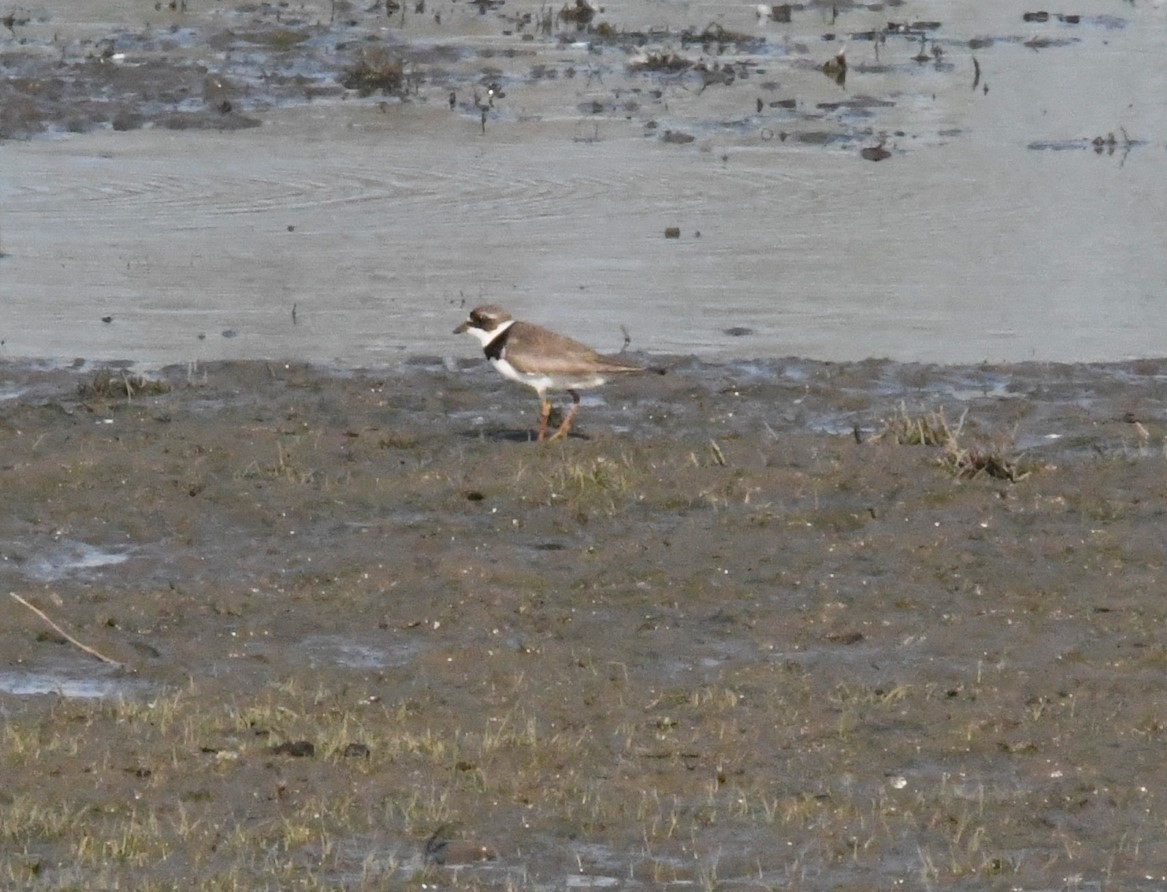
point(579, 13)
point(663, 60)
point(909, 30)
point(856, 103)
point(875, 153)
point(836, 68)
point(1043, 16)
point(714, 37)
point(819, 137)
point(100, 90)
point(375, 70)
point(780, 13)
point(216, 73)
point(1038, 42)
point(1102, 145)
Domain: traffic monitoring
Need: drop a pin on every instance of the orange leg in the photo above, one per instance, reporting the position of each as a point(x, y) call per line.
point(570, 415)
point(544, 414)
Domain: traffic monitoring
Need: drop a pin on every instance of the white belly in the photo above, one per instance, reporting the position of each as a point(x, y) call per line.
point(543, 382)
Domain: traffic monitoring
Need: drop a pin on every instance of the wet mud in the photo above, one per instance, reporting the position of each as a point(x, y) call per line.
point(751, 626)
point(754, 72)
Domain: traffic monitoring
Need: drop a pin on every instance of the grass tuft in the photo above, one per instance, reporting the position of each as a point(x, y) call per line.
point(598, 483)
point(962, 461)
point(119, 384)
point(375, 70)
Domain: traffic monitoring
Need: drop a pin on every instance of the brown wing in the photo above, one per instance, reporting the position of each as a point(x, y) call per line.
point(556, 354)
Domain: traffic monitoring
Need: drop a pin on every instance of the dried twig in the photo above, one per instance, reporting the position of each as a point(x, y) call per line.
point(718, 455)
point(89, 650)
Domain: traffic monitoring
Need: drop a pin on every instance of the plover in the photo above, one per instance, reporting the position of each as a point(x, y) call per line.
point(541, 359)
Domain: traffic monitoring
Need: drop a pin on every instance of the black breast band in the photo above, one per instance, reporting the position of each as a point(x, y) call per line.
point(496, 348)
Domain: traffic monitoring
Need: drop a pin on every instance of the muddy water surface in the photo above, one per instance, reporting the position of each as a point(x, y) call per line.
point(995, 229)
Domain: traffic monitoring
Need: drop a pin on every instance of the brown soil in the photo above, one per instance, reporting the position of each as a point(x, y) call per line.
point(732, 634)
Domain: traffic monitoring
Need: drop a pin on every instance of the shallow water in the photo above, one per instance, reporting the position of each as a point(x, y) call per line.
point(356, 231)
point(78, 679)
point(66, 558)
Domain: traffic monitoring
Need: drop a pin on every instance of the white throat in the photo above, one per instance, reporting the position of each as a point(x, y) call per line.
point(485, 337)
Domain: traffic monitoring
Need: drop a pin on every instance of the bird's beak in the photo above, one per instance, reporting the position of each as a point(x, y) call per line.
point(463, 328)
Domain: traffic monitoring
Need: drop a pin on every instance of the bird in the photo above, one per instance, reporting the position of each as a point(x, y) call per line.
point(541, 359)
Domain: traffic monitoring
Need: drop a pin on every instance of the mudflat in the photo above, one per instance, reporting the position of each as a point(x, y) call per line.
point(765, 624)
point(787, 625)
